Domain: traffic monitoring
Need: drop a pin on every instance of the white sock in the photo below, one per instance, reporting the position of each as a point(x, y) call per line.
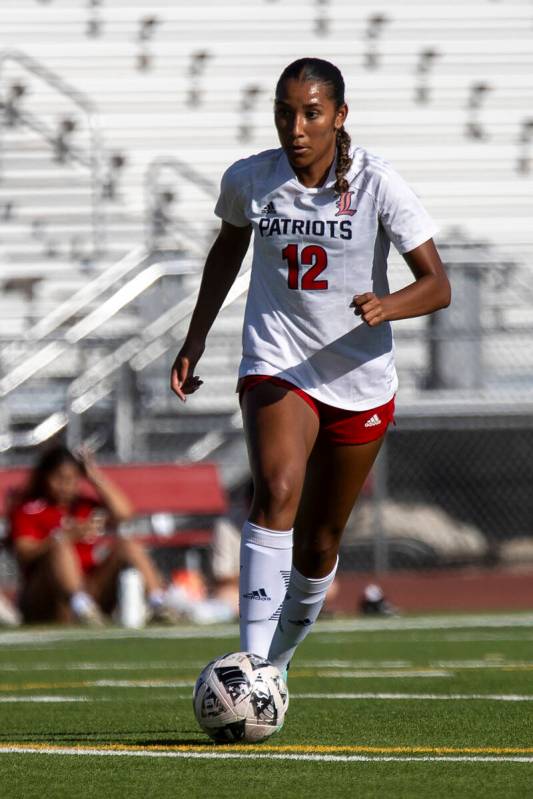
point(266, 557)
point(156, 598)
point(81, 603)
point(303, 603)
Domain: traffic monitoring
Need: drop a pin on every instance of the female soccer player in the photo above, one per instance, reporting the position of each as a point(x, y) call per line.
point(317, 379)
point(69, 568)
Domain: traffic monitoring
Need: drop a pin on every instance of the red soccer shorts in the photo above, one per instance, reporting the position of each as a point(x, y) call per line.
point(337, 425)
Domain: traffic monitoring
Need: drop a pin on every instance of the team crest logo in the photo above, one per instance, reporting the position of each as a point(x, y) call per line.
point(343, 204)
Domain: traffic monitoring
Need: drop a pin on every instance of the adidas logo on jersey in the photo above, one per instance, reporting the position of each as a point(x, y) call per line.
point(373, 421)
point(260, 594)
point(269, 208)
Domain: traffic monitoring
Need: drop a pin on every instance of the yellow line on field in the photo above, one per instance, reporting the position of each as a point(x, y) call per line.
point(27, 686)
point(518, 667)
point(30, 686)
point(298, 748)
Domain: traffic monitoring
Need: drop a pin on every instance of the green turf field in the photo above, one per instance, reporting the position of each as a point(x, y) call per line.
point(413, 707)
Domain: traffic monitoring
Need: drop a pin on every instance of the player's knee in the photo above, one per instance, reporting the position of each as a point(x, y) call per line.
point(316, 556)
point(125, 549)
point(277, 493)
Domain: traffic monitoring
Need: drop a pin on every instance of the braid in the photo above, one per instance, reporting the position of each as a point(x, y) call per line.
point(344, 161)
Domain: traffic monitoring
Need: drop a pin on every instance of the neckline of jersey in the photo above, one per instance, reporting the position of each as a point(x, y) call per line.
point(292, 177)
point(330, 180)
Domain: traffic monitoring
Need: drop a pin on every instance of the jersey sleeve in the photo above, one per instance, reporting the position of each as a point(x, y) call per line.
point(406, 221)
point(85, 505)
point(231, 203)
point(23, 525)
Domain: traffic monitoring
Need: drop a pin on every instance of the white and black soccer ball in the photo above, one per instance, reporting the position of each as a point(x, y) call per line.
point(240, 697)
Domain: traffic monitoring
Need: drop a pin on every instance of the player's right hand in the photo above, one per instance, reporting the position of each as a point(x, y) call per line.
point(80, 529)
point(182, 378)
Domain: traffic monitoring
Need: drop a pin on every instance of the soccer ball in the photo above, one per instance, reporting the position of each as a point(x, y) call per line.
point(240, 697)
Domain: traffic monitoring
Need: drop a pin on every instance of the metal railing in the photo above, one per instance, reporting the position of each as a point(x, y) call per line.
point(80, 300)
point(93, 159)
point(109, 308)
point(139, 351)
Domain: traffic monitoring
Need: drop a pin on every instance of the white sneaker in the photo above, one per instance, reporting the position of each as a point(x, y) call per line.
point(164, 614)
point(92, 617)
point(87, 611)
point(9, 614)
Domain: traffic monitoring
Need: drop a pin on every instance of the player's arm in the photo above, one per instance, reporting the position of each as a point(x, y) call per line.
point(429, 292)
point(221, 268)
point(114, 499)
point(29, 548)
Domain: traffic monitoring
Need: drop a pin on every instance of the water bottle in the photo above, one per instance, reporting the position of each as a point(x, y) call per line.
point(131, 605)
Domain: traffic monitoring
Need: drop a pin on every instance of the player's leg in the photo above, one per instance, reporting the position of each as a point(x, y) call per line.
point(40, 601)
point(334, 479)
point(102, 581)
point(54, 589)
point(280, 429)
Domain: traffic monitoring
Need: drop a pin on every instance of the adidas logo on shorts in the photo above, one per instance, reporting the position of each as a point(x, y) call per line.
point(373, 421)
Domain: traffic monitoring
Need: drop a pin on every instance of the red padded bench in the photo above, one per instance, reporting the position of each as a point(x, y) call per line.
point(181, 489)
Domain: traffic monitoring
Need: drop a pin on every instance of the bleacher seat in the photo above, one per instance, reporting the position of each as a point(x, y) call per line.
point(475, 188)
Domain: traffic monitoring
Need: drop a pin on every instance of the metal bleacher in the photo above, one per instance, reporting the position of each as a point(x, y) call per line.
point(442, 90)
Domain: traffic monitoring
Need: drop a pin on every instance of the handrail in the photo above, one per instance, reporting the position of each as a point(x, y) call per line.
point(87, 294)
point(95, 139)
point(119, 300)
point(94, 289)
point(142, 350)
point(96, 383)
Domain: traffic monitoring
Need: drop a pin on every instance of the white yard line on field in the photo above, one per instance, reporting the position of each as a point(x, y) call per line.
point(402, 696)
point(326, 668)
point(38, 637)
point(427, 622)
point(189, 683)
point(354, 664)
point(241, 755)
point(483, 664)
point(103, 666)
point(346, 696)
point(390, 637)
point(42, 698)
point(396, 673)
point(183, 665)
point(140, 683)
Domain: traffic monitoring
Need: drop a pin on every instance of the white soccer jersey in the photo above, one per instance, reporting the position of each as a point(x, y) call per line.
point(313, 250)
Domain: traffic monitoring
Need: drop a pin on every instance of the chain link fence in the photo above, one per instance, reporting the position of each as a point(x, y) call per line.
point(452, 486)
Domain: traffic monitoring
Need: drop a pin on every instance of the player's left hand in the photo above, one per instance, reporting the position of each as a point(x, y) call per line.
point(370, 308)
point(85, 458)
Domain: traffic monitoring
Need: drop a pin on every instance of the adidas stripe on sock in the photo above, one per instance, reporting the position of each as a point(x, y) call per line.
point(266, 557)
point(303, 603)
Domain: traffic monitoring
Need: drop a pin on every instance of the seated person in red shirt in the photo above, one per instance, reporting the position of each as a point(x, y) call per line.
point(69, 566)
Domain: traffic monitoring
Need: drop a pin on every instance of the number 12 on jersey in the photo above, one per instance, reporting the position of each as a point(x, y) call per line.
point(313, 256)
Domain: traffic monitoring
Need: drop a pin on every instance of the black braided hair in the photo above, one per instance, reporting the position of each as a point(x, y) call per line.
point(322, 71)
point(344, 161)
